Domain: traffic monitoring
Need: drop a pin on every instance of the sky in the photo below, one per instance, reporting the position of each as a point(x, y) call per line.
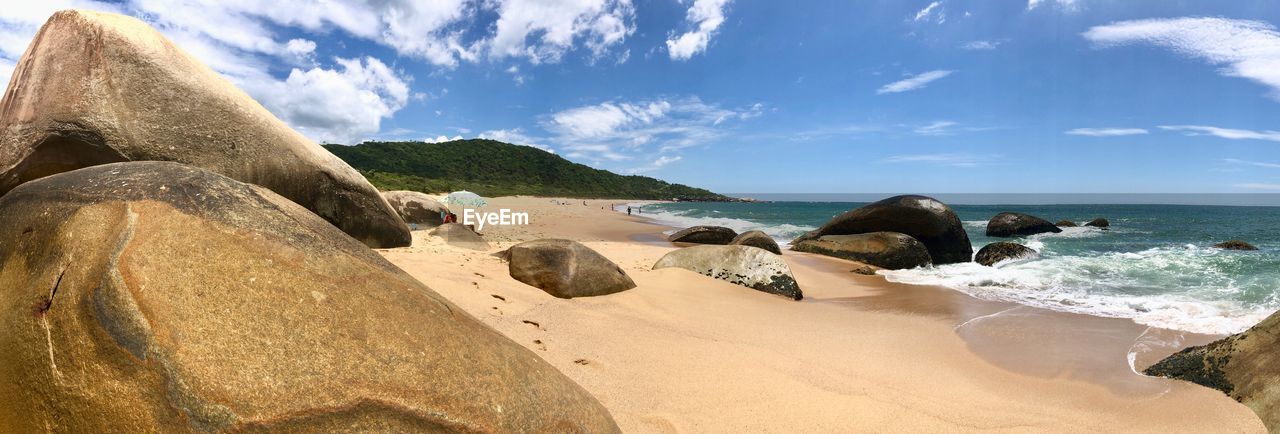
point(947, 96)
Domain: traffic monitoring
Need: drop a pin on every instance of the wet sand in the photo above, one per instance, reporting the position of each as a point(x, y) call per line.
point(686, 353)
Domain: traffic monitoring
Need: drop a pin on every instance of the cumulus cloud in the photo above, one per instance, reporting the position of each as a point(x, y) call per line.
point(622, 130)
point(1106, 132)
point(516, 136)
point(1226, 133)
point(945, 159)
point(348, 98)
point(544, 31)
point(705, 16)
point(441, 139)
point(341, 105)
point(913, 82)
point(1240, 48)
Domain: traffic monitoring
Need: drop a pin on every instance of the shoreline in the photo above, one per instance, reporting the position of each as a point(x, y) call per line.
point(682, 352)
point(985, 326)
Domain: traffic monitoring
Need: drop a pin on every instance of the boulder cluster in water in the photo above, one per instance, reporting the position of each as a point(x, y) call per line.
point(175, 258)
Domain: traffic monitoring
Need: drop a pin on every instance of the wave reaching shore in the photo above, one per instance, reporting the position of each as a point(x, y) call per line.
point(1155, 265)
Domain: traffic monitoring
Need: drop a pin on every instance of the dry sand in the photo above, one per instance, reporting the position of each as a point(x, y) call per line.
point(687, 353)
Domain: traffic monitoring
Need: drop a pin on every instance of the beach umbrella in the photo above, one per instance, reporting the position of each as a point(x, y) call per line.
point(465, 199)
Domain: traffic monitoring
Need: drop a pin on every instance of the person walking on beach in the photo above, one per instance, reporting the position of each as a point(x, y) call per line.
point(628, 210)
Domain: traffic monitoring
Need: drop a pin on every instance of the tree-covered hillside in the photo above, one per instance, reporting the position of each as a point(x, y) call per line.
point(493, 168)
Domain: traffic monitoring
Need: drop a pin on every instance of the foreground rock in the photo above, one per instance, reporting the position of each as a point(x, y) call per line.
point(889, 250)
point(1013, 224)
point(865, 269)
point(993, 253)
point(97, 88)
point(565, 269)
point(1245, 366)
point(416, 208)
point(741, 265)
point(927, 220)
point(1235, 245)
point(1098, 223)
point(459, 235)
point(704, 235)
point(1066, 224)
point(156, 297)
point(757, 239)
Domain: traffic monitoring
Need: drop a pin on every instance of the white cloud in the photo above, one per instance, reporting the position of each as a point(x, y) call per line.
point(341, 105)
point(300, 47)
point(1241, 48)
point(1067, 5)
point(913, 82)
point(6, 71)
point(1106, 132)
point(1226, 133)
point(945, 159)
point(441, 139)
point(617, 131)
point(544, 31)
point(655, 165)
point(19, 21)
point(981, 45)
point(1252, 163)
point(937, 128)
point(931, 12)
point(706, 16)
point(244, 40)
point(515, 136)
point(1258, 186)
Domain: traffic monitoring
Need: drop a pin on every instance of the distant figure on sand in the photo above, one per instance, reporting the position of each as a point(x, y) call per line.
point(628, 210)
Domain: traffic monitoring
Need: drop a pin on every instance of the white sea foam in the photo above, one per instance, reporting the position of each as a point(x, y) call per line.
point(1133, 285)
point(782, 233)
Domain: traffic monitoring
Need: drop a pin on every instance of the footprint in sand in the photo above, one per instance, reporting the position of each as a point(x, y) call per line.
point(497, 311)
point(534, 324)
point(582, 362)
point(499, 297)
point(541, 346)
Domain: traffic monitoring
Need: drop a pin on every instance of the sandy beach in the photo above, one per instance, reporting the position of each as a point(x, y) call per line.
point(687, 353)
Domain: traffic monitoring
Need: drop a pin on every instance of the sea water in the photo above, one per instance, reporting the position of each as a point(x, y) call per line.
point(1155, 265)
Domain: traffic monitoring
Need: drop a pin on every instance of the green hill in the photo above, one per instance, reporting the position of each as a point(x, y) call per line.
point(492, 168)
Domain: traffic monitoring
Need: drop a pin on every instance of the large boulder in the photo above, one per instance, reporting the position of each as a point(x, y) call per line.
point(929, 221)
point(756, 239)
point(1013, 224)
point(1098, 223)
point(565, 269)
point(751, 267)
point(704, 235)
point(1235, 245)
point(459, 235)
point(891, 250)
point(1245, 366)
point(95, 88)
point(993, 253)
point(416, 208)
point(157, 297)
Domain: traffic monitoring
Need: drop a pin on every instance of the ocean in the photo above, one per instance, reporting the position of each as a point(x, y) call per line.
point(1156, 265)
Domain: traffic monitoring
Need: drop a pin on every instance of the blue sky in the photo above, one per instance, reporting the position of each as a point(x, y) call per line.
point(941, 96)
